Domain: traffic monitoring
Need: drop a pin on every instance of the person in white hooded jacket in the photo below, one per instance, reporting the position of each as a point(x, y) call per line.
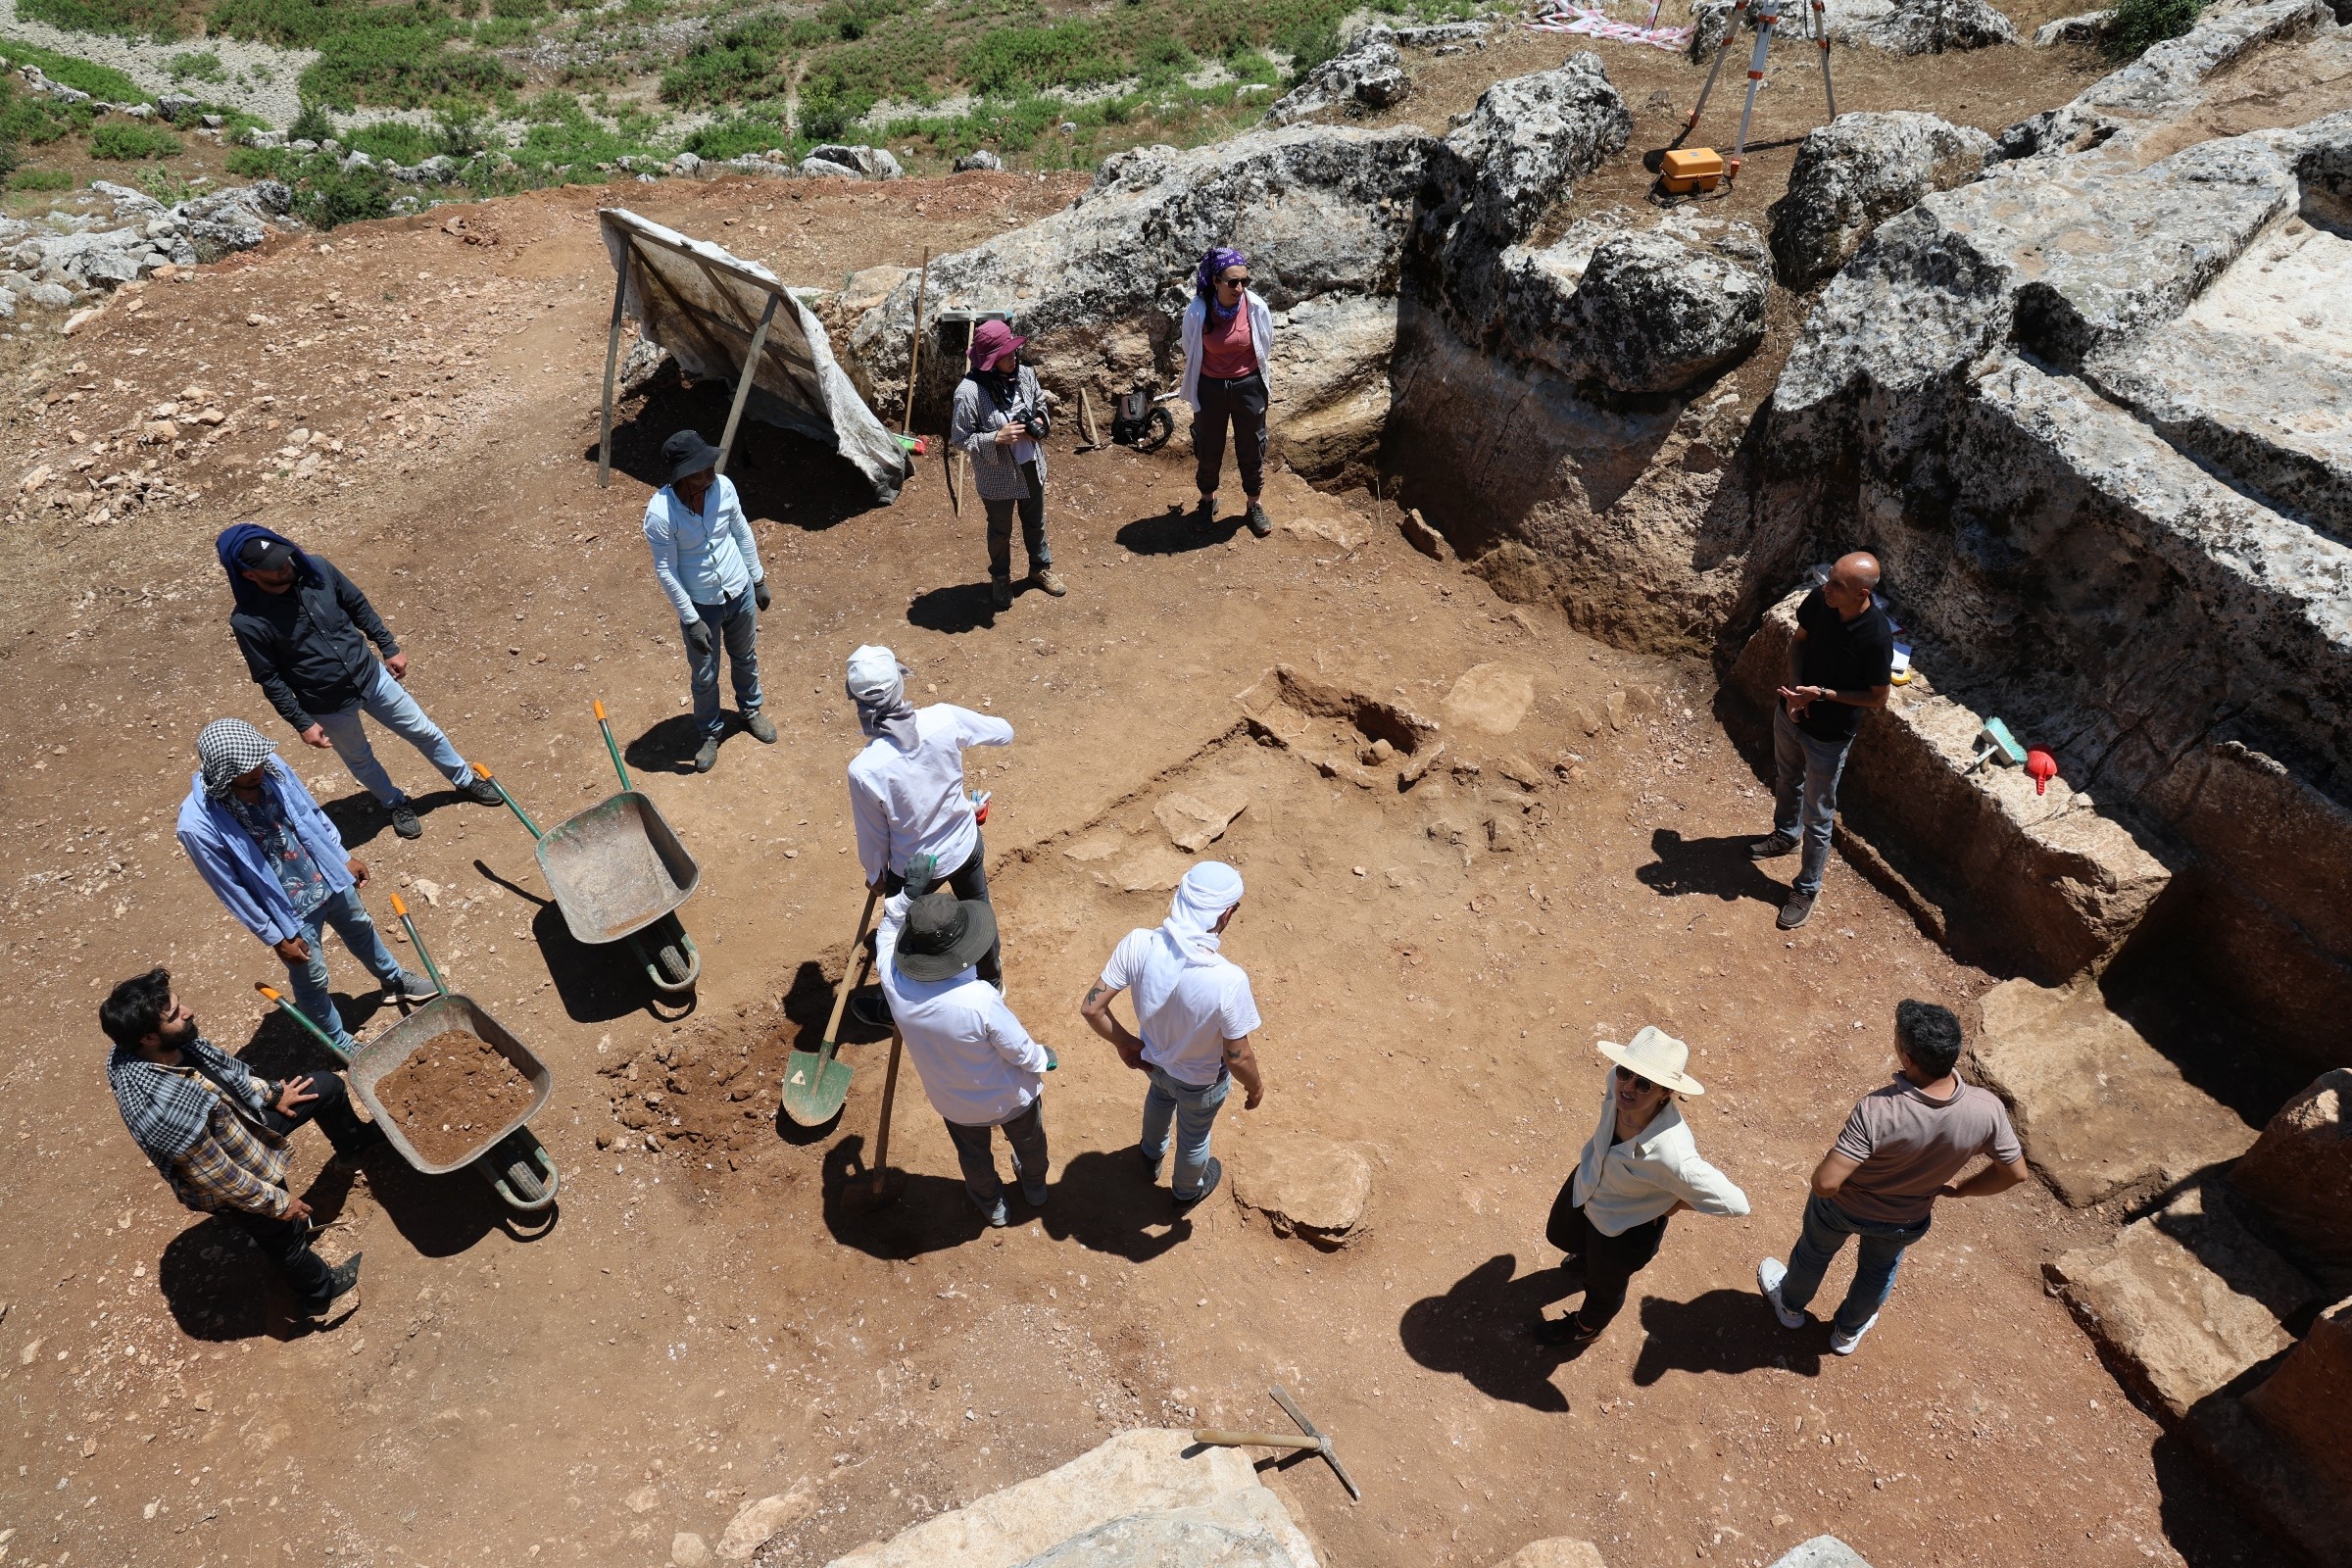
point(1228, 334)
point(1194, 1008)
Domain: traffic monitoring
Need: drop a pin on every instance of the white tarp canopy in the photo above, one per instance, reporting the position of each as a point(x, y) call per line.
point(705, 305)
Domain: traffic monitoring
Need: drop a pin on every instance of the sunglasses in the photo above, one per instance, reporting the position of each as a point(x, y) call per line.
point(1233, 282)
point(1641, 1085)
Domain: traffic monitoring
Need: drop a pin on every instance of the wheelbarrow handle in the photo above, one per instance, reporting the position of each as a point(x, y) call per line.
point(609, 746)
point(272, 994)
point(401, 908)
point(479, 771)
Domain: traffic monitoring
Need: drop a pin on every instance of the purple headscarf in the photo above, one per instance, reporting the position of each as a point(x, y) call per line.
point(1219, 257)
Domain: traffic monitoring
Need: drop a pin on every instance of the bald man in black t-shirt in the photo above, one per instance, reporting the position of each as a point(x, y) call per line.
point(1842, 662)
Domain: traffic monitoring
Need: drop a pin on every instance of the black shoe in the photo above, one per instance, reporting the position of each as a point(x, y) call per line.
point(481, 792)
point(1259, 523)
point(1566, 1333)
point(1798, 911)
point(1771, 848)
point(762, 728)
point(706, 758)
point(1208, 1184)
point(341, 1281)
point(404, 821)
point(1205, 512)
point(870, 1008)
point(1000, 592)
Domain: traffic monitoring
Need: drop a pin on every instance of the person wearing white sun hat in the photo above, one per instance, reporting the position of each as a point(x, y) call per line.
point(1638, 1169)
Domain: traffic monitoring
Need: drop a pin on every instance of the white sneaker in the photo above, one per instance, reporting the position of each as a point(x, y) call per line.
point(1844, 1343)
point(1769, 1275)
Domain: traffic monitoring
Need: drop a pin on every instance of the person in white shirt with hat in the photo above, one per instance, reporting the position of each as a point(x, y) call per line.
point(979, 1067)
point(1638, 1169)
point(906, 791)
point(1196, 1015)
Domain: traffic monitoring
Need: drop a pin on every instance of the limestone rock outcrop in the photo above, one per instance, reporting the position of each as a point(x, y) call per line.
point(1630, 308)
point(1368, 74)
point(1899, 26)
point(2298, 1176)
point(1857, 172)
point(1528, 139)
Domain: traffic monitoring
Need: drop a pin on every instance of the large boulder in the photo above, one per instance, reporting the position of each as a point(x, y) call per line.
point(1854, 173)
point(1932, 27)
point(1627, 306)
point(1529, 138)
point(1099, 287)
point(1369, 75)
point(2307, 1403)
point(867, 163)
point(1305, 1185)
point(2298, 1175)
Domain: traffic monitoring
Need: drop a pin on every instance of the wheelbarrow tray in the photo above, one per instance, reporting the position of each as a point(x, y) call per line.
point(616, 867)
point(388, 1051)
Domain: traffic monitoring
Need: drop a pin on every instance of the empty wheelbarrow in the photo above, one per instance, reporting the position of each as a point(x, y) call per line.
point(511, 1159)
point(619, 872)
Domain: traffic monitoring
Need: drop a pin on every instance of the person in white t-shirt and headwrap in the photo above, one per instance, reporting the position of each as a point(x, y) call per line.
point(906, 789)
point(1194, 1008)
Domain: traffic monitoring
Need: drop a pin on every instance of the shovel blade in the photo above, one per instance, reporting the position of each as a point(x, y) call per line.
point(815, 1083)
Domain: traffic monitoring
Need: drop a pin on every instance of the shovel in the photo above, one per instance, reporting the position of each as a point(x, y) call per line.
point(815, 1082)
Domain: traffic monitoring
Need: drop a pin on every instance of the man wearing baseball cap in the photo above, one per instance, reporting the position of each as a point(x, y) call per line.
point(707, 564)
point(304, 629)
point(1638, 1169)
point(980, 1068)
point(998, 417)
point(906, 791)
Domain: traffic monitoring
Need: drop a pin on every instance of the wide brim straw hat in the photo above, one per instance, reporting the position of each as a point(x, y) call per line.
point(1657, 1056)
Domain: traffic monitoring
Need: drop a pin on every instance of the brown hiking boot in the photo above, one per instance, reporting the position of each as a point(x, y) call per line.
point(1049, 580)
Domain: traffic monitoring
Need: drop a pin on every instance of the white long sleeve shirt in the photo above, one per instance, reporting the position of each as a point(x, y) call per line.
point(1622, 1185)
point(978, 1065)
point(705, 557)
point(913, 803)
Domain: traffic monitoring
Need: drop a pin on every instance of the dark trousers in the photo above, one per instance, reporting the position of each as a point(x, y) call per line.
point(976, 1153)
point(287, 1242)
point(1611, 1262)
point(1033, 526)
point(967, 881)
point(1243, 402)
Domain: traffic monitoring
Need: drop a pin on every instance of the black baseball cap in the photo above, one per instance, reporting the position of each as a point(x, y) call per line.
point(267, 555)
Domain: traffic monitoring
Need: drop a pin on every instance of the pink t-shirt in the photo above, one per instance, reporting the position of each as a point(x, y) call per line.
point(1226, 350)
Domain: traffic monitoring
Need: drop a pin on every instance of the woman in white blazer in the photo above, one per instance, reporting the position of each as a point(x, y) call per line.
point(1228, 333)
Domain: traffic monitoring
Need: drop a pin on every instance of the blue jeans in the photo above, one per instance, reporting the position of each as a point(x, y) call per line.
point(349, 916)
point(734, 625)
point(1195, 1111)
point(388, 703)
point(1805, 791)
point(1827, 1226)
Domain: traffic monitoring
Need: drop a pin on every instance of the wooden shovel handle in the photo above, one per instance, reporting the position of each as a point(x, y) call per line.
point(1251, 1439)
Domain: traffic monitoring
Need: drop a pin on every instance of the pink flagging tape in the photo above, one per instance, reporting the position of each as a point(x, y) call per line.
point(1597, 23)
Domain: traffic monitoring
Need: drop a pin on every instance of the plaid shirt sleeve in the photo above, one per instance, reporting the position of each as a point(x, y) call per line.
point(230, 1168)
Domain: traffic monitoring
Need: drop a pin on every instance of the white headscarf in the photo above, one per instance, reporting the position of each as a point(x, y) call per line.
point(1202, 898)
point(877, 684)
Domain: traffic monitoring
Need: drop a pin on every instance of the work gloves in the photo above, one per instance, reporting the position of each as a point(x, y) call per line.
point(698, 637)
point(759, 593)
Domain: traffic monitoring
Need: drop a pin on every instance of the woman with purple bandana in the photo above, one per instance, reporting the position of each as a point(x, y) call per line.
point(1227, 332)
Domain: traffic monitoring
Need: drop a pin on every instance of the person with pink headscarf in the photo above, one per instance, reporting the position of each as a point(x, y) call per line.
point(1227, 332)
point(999, 414)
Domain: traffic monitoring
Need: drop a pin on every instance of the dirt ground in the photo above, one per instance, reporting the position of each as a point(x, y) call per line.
point(708, 1320)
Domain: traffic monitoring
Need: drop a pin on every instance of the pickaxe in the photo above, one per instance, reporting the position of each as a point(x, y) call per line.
point(1313, 1440)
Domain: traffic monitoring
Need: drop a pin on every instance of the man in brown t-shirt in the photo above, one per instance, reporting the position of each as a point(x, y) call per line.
point(1897, 1154)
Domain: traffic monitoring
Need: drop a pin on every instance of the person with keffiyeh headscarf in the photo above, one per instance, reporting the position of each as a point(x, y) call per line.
point(1194, 1008)
point(1228, 332)
point(906, 791)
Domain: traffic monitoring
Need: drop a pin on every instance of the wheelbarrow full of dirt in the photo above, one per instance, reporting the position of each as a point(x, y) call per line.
point(619, 873)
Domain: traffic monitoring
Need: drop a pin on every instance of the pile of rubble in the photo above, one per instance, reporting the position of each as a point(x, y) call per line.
point(832, 161)
point(61, 258)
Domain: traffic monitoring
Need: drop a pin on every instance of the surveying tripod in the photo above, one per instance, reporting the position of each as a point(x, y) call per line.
point(1768, 17)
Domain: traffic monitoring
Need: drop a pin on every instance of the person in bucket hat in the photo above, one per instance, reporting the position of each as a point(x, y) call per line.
point(979, 1068)
point(999, 415)
point(1638, 1169)
point(708, 567)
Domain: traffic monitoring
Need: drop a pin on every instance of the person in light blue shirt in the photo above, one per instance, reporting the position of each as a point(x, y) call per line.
point(708, 567)
point(278, 866)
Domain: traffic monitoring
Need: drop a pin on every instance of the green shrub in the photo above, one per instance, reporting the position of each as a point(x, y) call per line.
point(312, 123)
point(1309, 46)
point(39, 180)
point(746, 61)
point(1069, 54)
point(403, 67)
point(86, 76)
point(2138, 24)
point(459, 134)
point(135, 19)
point(259, 163)
point(750, 130)
point(197, 65)
point(120, 142)
point(328, 196)
point(392, 140)
point(35, 120)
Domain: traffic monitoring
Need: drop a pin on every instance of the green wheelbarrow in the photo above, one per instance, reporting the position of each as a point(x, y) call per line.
point(618, 874)
point(511, 1159)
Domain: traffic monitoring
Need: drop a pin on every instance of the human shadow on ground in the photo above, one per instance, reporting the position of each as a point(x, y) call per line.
point(966, 606)
point(1724, 1331)
point(807, 1006)
point(597, 982)
point(1716, 868)
point(924, 1213)
point(1174, 532)
point(2202, 1521)
point(360, 818)
point(1105, 1202)
point(779, 474)
point(668, 747)
point(1479, 1332)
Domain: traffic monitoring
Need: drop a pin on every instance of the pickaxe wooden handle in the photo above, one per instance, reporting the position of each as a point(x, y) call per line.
point(1253, 1440)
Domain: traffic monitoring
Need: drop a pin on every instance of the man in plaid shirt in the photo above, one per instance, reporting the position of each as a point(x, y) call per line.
point(218, 1134)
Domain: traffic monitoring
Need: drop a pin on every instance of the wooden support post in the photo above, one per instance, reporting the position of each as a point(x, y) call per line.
point(743, 386)
point(914, 349)
point(604, 441)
